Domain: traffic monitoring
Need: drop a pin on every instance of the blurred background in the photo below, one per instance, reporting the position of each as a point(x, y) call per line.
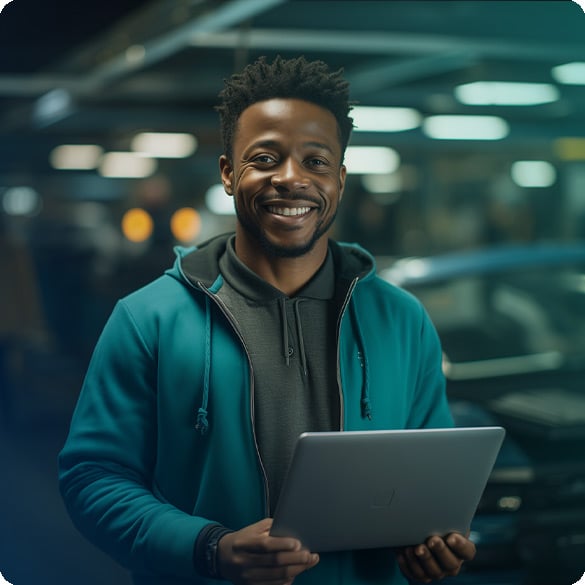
point(469, 140)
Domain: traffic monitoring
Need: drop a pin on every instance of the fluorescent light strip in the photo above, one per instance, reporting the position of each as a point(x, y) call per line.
point(504, 93)
point(465, 127)
point(126, 165)
point(76, 156)
point(388, 183)
point(533, 173)
point(570, 73)
point(382, 119)
point(164, 144)
point(371, 160)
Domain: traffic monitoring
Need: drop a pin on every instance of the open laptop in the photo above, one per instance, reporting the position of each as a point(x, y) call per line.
point(368, 489)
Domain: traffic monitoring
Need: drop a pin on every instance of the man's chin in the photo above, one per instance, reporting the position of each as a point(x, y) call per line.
point(286, 251)
point(279, 248)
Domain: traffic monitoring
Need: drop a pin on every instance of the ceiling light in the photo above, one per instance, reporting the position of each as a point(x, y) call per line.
point(380, 119)
point(389, 183)
point(371, 160)
point(75, 156)
point(570, 73)
point(218, 202)
point(135, 54)
point(126, 165)
point(506, 93)
point(465, 127)
point(53, 106)
point(22, 200)
point(164, 144)
point(533, 173)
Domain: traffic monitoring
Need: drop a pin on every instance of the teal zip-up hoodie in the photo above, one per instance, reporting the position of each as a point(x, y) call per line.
point(162, 439)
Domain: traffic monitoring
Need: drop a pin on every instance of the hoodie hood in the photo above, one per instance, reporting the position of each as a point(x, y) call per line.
point(200, 264)
point(199, 267)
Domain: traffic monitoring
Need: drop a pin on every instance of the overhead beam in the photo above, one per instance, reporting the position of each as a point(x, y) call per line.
point(382, 74)
point(437, 53)
point(225, 16)
point(384, 43)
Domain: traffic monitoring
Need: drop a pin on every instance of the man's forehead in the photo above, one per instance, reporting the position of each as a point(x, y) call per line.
point(291, 115)
point(279, 108)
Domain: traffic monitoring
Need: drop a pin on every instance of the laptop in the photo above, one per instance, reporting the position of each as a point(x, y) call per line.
point(370, 489)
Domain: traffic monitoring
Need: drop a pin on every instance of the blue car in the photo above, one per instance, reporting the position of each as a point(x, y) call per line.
point(512, 325)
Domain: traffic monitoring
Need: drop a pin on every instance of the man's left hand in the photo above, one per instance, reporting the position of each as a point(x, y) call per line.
point(437, 558)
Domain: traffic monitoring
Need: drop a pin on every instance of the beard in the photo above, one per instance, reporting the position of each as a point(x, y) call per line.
point(278, 251)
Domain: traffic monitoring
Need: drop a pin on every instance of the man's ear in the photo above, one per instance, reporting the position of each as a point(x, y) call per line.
point(227, 173)
point(342, 175)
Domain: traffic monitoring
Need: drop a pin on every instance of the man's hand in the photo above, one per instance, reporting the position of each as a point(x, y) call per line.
point(437, 558)
point(251, 556)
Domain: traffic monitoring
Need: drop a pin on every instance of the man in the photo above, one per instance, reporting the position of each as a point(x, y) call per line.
point(202, 381)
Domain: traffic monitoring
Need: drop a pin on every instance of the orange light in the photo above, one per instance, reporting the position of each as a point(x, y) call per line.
point(186, 224)
point(137, 225)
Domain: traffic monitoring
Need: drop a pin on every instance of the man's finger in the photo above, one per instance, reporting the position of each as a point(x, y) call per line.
point(444, 556)
point(461, 546)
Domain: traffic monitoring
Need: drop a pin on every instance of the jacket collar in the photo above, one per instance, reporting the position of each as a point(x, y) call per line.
point(201, 264)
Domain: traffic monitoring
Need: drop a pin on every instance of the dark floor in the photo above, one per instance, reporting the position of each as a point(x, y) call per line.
point(38, 543)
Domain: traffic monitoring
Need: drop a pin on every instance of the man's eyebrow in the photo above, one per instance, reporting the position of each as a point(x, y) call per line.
point(265, 143)
point(269, 143)
point(320, 145)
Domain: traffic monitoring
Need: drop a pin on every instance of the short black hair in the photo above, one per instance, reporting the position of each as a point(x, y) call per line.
point(296, 78)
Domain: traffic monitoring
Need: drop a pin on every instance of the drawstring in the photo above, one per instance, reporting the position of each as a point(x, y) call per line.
point(285, 347)
point(202, 424)
point(362, 356)
point(296, 303)
point(284, 332)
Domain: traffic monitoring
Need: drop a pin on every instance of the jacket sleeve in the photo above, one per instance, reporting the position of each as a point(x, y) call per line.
point(106, 465)
point(430, 407)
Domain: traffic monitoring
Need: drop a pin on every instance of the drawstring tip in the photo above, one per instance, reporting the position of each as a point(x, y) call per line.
point(202, 424)
point(366, 409)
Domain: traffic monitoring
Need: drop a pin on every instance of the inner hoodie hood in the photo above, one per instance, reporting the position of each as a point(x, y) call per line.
point(199, 267)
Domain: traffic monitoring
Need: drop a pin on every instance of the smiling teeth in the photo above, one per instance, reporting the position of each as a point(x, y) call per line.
point(289, 211)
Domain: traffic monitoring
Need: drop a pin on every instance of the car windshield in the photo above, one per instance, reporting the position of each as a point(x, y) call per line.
point(533, 318)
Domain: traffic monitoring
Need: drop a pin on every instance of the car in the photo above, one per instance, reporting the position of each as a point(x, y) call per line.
point(511, 319)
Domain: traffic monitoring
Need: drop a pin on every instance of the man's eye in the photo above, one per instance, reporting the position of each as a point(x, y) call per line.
point(317, 162)
point(264, 159)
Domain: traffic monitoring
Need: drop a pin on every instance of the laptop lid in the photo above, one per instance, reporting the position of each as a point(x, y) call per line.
point(368, 489)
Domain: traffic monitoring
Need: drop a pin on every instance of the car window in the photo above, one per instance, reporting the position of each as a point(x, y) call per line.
point(506, 315)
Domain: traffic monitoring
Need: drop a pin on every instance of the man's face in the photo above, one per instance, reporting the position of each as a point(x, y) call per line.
point(285, 175)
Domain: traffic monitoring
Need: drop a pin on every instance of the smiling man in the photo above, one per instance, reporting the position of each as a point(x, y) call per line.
point(202, 381)
point(286, 170)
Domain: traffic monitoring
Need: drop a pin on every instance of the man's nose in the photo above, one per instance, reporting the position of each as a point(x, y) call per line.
point(290, 175)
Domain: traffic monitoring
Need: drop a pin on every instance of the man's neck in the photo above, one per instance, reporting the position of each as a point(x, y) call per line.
point(288, 275)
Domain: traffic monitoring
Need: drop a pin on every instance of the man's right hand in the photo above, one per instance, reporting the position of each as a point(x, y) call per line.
point(252, 557)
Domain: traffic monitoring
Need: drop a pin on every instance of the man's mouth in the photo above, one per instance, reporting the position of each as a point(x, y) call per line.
point(289, 211)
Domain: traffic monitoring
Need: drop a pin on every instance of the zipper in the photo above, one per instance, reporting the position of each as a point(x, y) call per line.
point(341, 315)
point(201, 287)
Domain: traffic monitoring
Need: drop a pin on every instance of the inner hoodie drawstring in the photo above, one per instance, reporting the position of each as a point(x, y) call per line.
point(202, 424)
point(296, 304)
point(366, 405)
point(285, 346)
